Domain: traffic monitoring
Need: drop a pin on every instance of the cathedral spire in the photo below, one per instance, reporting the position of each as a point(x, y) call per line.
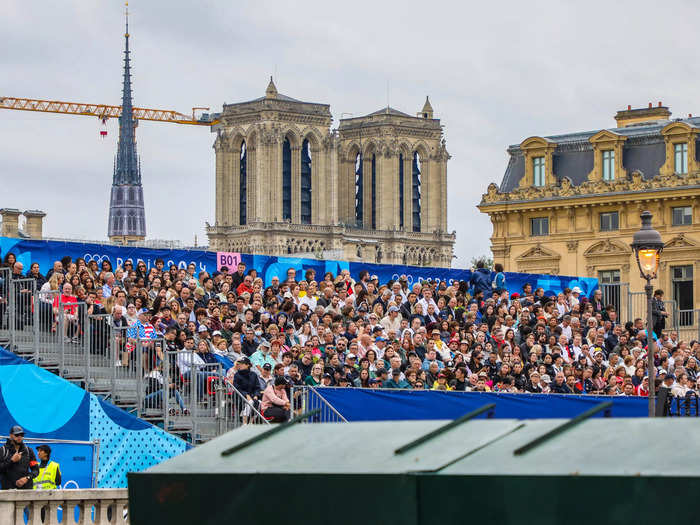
point(127, 170)
point(127, 220)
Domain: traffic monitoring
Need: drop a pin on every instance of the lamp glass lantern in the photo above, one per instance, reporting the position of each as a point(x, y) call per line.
point(647, 246)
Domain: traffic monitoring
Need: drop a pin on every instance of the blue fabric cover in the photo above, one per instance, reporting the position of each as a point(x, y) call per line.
point(356, 404)
point(49, 407)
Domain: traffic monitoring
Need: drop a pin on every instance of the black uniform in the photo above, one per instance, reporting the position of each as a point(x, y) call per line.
point(10, 472)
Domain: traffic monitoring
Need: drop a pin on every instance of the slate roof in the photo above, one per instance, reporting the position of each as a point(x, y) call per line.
point(389, 111)
point(644, 150)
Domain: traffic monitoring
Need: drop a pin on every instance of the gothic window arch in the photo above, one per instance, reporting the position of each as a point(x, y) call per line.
point(359, 216)
point(117, 222)
point(120, 195)
point(306, 188)
point(416, 191)
point(243, 186)
point(131, 222)
point(286, 180)
point(132, 194)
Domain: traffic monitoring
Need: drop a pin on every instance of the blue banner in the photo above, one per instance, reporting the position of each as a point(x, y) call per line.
point(358, 404)
point(77, 462)
point(46, 252)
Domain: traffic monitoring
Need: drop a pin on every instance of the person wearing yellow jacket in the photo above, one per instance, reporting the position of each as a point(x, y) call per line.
point(49, 476)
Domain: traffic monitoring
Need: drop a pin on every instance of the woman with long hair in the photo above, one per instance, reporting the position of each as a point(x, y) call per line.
point(314, 379)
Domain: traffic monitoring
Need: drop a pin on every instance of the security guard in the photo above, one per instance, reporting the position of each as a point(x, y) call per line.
point(49, 476)
point(18, 464)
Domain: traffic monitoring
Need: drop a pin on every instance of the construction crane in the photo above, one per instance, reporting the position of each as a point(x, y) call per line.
point(104, 112)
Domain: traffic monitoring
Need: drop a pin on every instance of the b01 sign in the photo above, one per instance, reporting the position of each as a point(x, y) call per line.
point(228, 259)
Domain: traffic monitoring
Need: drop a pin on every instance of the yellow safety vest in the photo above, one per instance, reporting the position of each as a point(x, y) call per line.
point(46, 480)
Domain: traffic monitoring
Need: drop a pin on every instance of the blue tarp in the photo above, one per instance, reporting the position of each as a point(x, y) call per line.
point(359, 404)
point(49, 407)
point(46, 252)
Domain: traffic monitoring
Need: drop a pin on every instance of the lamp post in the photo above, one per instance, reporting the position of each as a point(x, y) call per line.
point(647, 246)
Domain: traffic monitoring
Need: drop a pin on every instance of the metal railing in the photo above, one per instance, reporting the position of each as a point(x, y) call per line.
point(235, 410)
point(689, 325)
point(306, 398)
point(682, 406)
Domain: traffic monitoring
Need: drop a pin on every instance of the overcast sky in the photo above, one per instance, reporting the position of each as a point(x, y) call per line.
point(496, 73)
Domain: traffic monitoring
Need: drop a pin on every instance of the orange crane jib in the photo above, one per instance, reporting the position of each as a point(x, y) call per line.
point(101, 111)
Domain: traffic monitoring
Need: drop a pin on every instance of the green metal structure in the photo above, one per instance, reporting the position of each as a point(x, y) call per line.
point(432, 472)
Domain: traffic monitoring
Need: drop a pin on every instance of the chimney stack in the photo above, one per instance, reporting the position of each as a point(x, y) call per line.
point(640, 116)
point(10, 222)
point(35, 223)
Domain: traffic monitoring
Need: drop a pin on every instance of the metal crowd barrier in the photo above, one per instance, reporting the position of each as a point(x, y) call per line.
point(682, 406)
point(235, 410)
point(306, 398)
point(5, 275)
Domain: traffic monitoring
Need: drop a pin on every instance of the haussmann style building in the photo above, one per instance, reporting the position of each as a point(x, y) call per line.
point(374, 190)
point(570, 204)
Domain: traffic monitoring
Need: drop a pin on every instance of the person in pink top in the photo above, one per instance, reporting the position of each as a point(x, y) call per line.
point(275, 403)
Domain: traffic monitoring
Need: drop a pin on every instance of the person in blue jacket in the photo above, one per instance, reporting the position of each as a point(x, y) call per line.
point(480, 280)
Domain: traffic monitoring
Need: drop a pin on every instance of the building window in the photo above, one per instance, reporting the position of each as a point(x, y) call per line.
point(682, 216)
point(286, 181)
point(538, 171)
point(609, 165)
point(306, 182)
point(359, 216)
point(416, 193)
point(680, 158)
point(401, 190)
point(609, 221)
point(682, 280)
point(539, 226)
point(243, 187)
point(609, 281)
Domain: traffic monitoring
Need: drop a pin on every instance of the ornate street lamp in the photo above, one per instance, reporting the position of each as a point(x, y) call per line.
point(647, 246)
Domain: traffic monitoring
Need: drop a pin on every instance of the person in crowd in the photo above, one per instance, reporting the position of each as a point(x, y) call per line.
point(275, 406)
point(479, 335)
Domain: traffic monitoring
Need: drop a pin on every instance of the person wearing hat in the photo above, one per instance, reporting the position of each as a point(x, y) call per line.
point(247, 383)
point(395, 380)
point(392, 320)
point(575, 294)
point(262, 356)
point(375, 383)
point(141, 332)
point(18, 464)
point(265, 376)
point(49, 476)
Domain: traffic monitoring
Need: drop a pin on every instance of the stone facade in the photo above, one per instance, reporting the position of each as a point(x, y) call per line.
point(592, 210)
point(288, 184)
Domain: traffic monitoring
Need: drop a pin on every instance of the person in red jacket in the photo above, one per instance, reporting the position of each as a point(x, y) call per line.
point(245, 286)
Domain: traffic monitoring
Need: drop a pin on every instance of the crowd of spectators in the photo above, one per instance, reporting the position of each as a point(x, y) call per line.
point(333, 330)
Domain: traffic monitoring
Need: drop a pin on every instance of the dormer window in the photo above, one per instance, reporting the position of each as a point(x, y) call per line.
point(608, 165)
point(539, 160)
point(607, 156)
point(680, 139)
point(538, 174)
point(680, 158)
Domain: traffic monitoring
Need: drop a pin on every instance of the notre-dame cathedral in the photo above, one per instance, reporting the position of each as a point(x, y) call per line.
point(373, 190)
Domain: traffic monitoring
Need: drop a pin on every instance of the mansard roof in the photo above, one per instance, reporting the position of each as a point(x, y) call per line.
point(643, 150)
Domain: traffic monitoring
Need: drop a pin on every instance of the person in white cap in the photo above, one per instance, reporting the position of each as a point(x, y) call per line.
point(575, 294)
